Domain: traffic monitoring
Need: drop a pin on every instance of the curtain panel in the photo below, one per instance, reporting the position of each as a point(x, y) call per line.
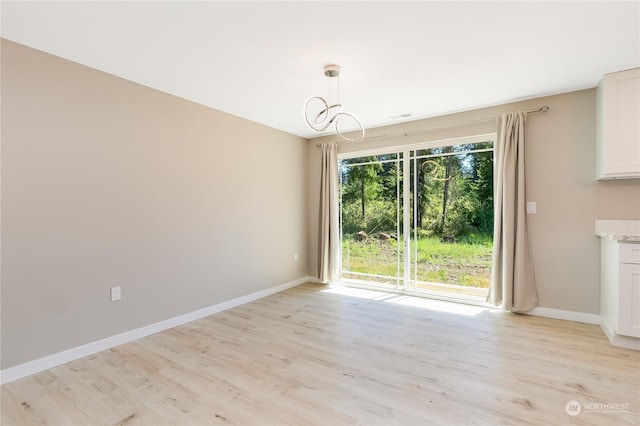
point(512, 282)
point(328, 228)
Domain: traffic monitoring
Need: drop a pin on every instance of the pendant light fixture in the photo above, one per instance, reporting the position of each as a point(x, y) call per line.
point(320, 113)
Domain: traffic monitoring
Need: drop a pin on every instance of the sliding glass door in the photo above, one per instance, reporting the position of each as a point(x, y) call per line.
point(420, 220)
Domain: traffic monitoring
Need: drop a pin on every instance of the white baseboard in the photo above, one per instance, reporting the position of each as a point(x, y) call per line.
point(32, 367)
point(565, 315)
point(618, 340)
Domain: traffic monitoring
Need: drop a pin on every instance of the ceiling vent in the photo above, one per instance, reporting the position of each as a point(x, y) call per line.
point(398, 116)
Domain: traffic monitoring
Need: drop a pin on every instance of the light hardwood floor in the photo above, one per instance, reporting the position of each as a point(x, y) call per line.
point(310, 356)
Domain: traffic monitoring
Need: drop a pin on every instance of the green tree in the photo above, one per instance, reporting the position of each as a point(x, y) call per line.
point(360, 181)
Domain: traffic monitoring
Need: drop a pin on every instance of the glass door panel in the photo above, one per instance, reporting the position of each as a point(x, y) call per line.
point(371, 220)
point(452, 219)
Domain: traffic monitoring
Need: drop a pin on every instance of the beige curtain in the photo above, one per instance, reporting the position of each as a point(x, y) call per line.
point(512, 284)
point(329, 235)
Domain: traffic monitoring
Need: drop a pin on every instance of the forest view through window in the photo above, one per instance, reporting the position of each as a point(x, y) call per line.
point(419, 220)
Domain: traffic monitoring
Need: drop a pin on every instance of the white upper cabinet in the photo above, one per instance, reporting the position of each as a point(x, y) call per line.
point(618, 125)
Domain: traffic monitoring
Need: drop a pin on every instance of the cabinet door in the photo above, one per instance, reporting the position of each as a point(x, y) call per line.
point(629, 299)
point(618, 125)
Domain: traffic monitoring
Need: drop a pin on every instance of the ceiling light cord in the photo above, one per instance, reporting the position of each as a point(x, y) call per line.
point(330, 114)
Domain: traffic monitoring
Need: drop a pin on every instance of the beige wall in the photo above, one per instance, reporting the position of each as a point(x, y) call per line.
point(560, 157)
point(108, 183)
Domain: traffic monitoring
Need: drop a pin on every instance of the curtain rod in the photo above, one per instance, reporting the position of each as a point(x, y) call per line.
point(543, 109)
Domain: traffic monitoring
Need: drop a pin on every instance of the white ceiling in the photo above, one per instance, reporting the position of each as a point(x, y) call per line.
point(262, 60)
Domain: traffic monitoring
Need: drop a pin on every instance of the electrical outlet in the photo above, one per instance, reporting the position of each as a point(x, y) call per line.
point(295, 257)
point(115, 294)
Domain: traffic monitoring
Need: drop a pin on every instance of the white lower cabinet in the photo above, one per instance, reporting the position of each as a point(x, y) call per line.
point(620, 292)
point(629, 312)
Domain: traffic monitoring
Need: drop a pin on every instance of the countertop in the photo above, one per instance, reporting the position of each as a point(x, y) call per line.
point(621, 230)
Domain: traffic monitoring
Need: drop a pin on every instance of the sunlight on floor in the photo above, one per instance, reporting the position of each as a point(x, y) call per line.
point(416, 302)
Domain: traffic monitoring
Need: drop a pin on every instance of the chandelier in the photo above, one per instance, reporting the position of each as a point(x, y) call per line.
point(320, 113)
